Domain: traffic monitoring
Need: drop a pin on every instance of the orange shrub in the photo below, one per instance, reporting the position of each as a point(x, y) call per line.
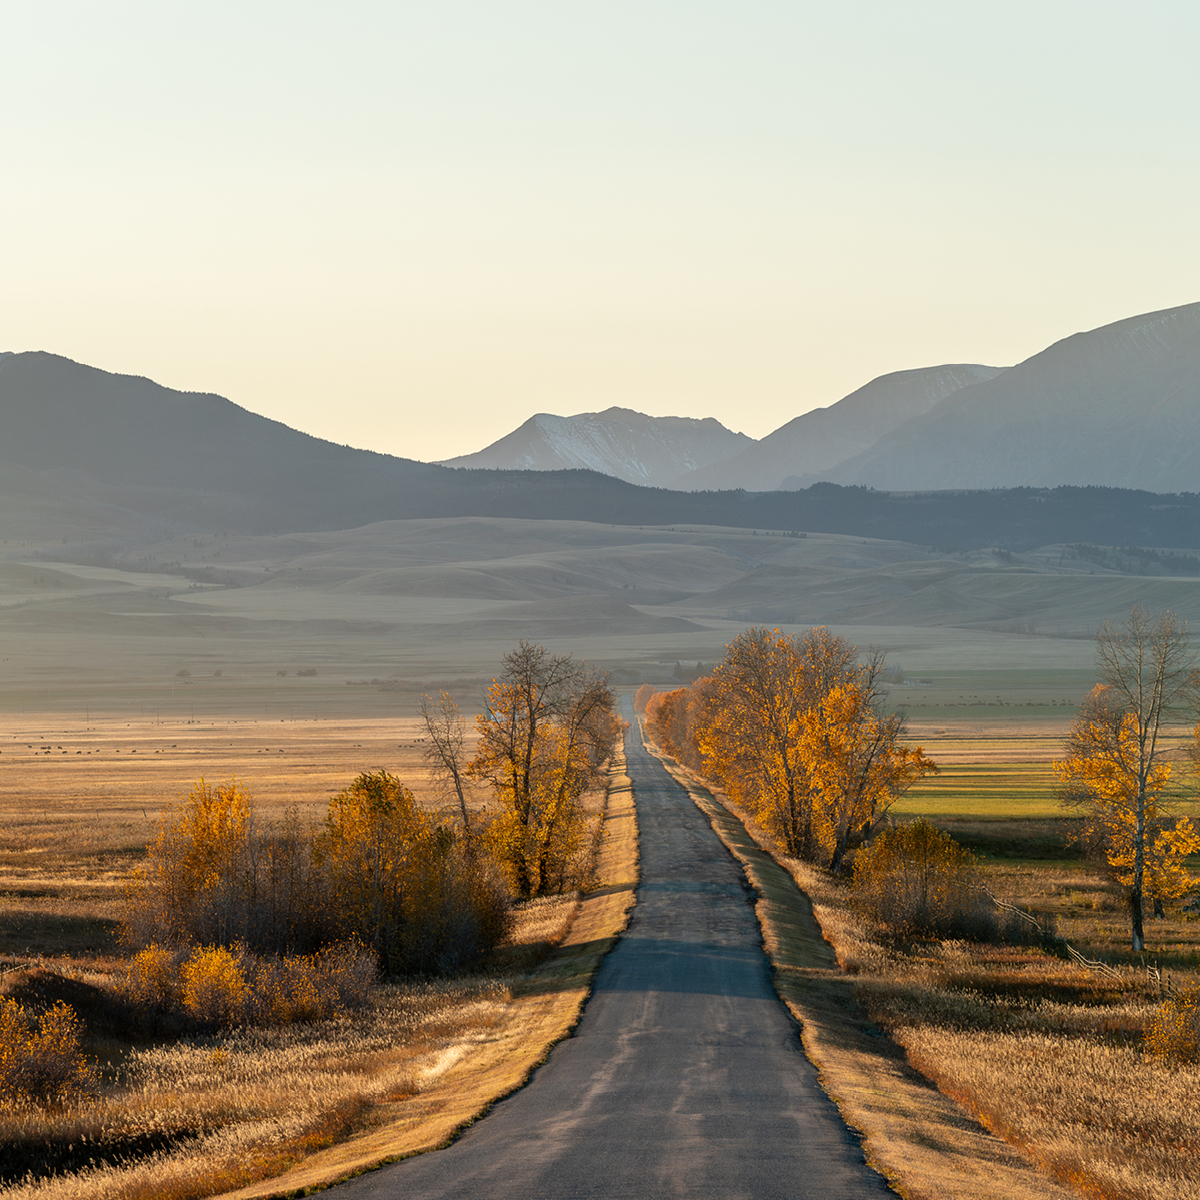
point(43, 1062)
point(153, 979)
point(1173, 1032)
point(214, 988)
point(918, 881)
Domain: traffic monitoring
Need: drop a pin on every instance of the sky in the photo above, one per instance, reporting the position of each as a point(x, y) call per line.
point(410, 226)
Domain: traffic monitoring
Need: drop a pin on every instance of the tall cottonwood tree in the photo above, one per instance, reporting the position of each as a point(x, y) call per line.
point(547, 729)
point(1117, 761)
point(793, 728)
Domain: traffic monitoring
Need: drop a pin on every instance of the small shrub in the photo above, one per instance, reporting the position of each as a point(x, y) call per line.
point(42, 1063)
point(214, 990)
point(312, 987)
point(287, 991)
point(350, 971)
point(217, 987)
point(153, 979)
point(919, 882)
point(1173, 1031)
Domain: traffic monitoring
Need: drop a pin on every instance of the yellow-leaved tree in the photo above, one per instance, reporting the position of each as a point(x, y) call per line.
point(856, 764)
point(1126, 792)
point(792, 726)
point(1117, 765)
point(387, 865)
point(195, 884)
point(547, 729)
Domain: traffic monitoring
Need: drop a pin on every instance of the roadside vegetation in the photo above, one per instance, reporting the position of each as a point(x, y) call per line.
point(794, 728)
point(286, 982)
point(999, 969)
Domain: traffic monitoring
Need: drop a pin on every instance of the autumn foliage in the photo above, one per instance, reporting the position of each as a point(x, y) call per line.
point(792, 727)
point(215, 987)
point(546, 732)
point(380, 872)
point(218, 875)
point(1127, 811)
point(1173, 1032)
point(404, 884)
point(41, 1058)
point(919, 882)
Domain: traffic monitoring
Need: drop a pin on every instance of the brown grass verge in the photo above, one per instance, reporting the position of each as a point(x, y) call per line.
point(919, 1139)
point(544, 1010)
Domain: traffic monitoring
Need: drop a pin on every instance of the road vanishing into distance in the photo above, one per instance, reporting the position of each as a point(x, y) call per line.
point(684, 1077)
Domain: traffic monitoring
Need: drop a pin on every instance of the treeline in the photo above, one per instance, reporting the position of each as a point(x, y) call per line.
point(1136, 560)
point(793, 728)
point(379, 871)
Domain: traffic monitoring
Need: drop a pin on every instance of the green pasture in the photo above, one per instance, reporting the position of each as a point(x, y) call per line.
point(1019, 790)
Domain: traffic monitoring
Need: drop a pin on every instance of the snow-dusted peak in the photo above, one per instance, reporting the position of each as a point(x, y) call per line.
point(618, 441)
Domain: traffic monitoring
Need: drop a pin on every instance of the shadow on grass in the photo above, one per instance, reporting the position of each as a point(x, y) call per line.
point(27, 932)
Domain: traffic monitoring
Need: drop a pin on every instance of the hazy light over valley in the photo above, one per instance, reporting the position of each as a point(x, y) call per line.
point(409, 227)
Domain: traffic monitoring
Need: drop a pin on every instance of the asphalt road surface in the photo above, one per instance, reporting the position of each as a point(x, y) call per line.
point(684, 1077)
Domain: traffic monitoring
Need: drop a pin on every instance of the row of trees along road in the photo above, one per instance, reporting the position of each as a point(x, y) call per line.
point(793, 727)
point(1122, 764)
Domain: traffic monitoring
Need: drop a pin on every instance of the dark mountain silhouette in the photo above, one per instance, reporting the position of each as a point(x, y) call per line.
point(198, 461)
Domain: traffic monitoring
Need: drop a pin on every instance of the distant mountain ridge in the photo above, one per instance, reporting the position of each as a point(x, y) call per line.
point(618, 441)
point(1117, 406)
point(91, 460)
point(817, 441)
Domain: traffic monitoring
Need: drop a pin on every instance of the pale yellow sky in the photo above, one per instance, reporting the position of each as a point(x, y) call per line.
point(409, 227)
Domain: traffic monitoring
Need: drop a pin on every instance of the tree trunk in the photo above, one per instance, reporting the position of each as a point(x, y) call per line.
point(1135, 914)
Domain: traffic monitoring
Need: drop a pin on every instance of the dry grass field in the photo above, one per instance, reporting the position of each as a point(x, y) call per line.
point(187, 1118)
point(80, 801)
point(996, 795)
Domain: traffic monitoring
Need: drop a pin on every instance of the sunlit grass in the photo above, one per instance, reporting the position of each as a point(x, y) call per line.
point(1003, 790)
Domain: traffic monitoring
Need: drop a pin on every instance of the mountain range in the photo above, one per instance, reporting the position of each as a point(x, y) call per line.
point(815, 442)
point(1117, 406)
point(620, 442)
point(90, 459)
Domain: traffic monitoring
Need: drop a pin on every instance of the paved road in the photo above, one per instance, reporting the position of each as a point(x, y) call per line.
point(684, 1077)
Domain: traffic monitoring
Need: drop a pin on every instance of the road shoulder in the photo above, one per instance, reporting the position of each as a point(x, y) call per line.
point(543, 1012)
point(923, 1142)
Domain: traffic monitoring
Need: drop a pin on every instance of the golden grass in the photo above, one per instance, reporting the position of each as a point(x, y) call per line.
point(74, 823)
point(329, 1099)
